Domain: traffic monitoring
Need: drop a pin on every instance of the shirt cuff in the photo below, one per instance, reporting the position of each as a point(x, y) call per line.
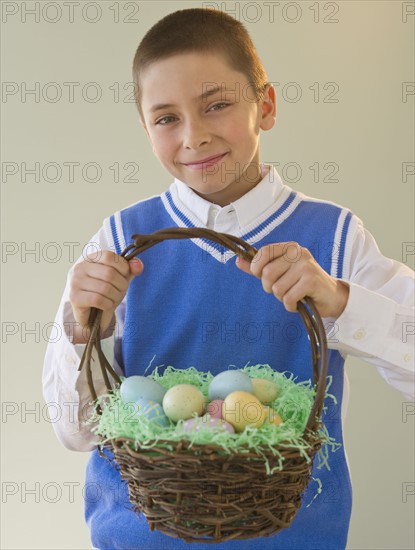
point(371, 326)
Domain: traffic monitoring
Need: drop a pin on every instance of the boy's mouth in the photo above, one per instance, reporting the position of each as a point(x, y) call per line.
point(204, 163)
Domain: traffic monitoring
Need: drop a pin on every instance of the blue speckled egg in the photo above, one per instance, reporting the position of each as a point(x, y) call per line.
point(134, 388)
point(227, 382)
point(153, 411)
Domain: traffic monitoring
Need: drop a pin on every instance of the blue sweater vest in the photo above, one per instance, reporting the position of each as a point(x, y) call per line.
point(193, 307)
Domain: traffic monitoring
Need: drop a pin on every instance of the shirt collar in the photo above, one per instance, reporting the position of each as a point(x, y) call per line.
point(247, 208)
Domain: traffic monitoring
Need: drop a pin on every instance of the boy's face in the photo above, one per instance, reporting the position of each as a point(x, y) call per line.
point(210, 141)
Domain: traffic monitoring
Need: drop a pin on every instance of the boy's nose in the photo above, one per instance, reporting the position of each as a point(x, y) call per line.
point(195, 135)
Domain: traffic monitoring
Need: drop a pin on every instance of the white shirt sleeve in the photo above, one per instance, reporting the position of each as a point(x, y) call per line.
point(378, 323)
point(64, 387)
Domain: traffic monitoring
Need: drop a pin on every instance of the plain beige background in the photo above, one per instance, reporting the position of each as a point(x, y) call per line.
point(340, 98)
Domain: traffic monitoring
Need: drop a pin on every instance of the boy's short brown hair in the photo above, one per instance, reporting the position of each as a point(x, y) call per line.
point(200, 30)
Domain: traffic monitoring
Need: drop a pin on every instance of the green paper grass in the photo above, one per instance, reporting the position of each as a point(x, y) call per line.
point(293, 404)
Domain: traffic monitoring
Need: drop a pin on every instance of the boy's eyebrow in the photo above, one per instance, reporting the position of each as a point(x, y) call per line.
point(203, 97)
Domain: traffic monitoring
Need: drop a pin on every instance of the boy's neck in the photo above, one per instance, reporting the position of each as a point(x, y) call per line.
point(235, 191)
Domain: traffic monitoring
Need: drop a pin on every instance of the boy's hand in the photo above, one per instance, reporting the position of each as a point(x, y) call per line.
point(290, 272)
point(100, 283)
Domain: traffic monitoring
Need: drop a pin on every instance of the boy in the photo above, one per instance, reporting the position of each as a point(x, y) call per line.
point(203, 98)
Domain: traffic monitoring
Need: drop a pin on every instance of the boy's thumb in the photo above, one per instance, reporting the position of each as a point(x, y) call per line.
point(243, 265)
point(136, 266)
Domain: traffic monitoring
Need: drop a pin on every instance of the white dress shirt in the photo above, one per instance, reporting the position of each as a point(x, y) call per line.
point(377, 323)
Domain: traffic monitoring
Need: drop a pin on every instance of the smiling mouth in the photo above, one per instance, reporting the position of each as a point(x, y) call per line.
point(210, 161)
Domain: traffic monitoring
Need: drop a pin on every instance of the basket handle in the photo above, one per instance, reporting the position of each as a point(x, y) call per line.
point(306, 309)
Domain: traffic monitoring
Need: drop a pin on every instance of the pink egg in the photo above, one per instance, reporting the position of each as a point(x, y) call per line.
point(214, 409)
point(195, 424)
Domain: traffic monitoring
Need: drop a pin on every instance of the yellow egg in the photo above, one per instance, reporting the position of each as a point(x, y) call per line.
point(242, 409)
point(272, 417)
point(183, 400)
point(265, 390)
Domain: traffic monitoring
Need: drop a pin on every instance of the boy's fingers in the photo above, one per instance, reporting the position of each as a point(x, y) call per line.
point(126, 269)
point(284, 285)
point(264, 256)
point(274, 271)
point(293, 295)
point(99, 274)
point(243, 265)
point(290, 252)
point(104, 288)
point(111, 260)
point(87, 299)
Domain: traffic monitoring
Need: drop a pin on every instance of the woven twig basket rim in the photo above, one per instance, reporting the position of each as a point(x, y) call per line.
point(313, 321)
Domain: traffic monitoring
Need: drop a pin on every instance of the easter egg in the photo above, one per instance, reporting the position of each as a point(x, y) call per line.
point(227, 382)
point(153, 411)
point(271, 417)
point(242, 409)
point(134, 388)
point(183, 400)
point(214, 408)
point(265, 390)
point(207, 421)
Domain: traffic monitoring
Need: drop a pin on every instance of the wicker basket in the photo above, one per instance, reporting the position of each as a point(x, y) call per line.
point(200, 494)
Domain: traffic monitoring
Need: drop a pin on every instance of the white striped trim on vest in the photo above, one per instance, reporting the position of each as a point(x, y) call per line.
point(253, 233)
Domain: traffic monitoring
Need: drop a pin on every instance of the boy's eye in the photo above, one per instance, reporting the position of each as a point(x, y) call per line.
point(165, 120)
point(218, 106)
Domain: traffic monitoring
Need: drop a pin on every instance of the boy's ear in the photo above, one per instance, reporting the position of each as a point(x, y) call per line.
point(269, 108)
